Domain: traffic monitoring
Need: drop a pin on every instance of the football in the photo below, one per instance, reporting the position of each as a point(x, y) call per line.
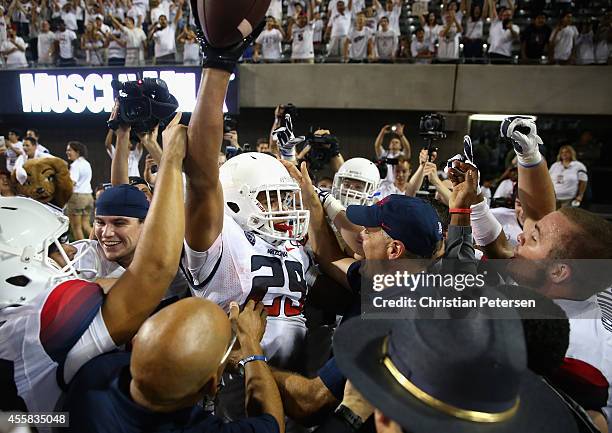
point(227, 22)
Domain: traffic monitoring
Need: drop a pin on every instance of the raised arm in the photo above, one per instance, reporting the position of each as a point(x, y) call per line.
point(119, 163)
point(179, 12)
point(139, 290)
point(405, 143)
point(378, 147)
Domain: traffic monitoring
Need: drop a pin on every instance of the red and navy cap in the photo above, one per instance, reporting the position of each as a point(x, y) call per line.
point(411, 220)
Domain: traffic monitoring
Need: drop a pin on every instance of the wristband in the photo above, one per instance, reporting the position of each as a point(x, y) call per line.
point(530, 160)
point(349, 417)
point(251, 358)
point(460, 210)
point(332, 207)
point(485, 226)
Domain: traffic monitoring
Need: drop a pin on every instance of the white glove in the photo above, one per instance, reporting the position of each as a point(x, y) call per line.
point(525, 143)
point(467, 157)
point(286, 140)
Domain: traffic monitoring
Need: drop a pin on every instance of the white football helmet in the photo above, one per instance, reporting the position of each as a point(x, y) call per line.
point(27, 230)
point(263, 198)
point(355, 182)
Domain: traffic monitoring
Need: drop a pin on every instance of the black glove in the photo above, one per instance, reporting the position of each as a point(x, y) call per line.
point(226, 58)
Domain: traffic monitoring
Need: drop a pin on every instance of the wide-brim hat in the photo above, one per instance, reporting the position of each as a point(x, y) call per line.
point(462, 375)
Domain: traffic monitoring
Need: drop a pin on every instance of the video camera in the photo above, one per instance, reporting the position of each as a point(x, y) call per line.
point(431, 128)
point(143, 104)
point(322, 148)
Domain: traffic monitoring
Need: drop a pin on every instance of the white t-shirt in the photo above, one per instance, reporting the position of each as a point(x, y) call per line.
point(431, 34)
point(385, 43)
point(302, 46)
point(70, 19)
point(449, 44)
point(500, 40)
point(133, 160)
point(474, 30)
point(318, 27)
point(270, 41)
point(134, 37)
point(164, 41)
point(564, 41)
point(115, 49)
point(507, 218)
point(2, 29)
point(417, 47)
point(340, 24)
point(565, 180)
point(504, 189)
point(136, 13)
point(45, 44)
point(385, 189)
point(17, 58)
point(358, 48)
point(191, 52)
point(80, 173)
point(65, 38)
point(11, 156)
point(585, 49)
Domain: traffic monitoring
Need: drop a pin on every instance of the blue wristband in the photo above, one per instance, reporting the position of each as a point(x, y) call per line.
point(248, 359)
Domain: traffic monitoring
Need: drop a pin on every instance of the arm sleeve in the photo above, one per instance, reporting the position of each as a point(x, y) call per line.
point(459, 255)
point(201, 266)
point(582, 172)
point(332, 378)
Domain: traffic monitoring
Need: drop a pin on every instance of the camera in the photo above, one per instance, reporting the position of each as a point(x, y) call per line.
point(432, 126)
point(143, 104)
point(322, 148)
point(230, 123)
point(505, 22)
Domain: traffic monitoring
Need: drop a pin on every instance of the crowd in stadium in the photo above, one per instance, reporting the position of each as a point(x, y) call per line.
point(226, 289)
point(124, 32)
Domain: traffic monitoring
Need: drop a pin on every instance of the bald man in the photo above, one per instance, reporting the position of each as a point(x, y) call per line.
point(178, 357)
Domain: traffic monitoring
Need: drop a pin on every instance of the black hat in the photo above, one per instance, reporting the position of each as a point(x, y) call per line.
point(456, 375)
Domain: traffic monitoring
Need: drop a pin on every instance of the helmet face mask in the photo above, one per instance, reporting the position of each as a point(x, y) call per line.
point(261, 196)
point(355, 182)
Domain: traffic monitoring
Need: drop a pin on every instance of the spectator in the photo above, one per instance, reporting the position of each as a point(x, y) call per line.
point(371, 17)
point(358, 46)
point(100, 27)
point(13, 50)
point(69, 17)
point(263, 144)
point(473, 36)
point(448, 47)
point(563, 41)
point(398, 146)
point(420, 48)
point(158, 9)
point(325, 183)
point(64, 39)
point(431, 28)
point(136, 41)
point(603, 38)
point(337, 31)
point(30, 151)
point(569, 178)
point(45, 43)
point(534, 39)
point(163, 34)
point(399, 185)
point(123, 391)
point(20, 13)
point(191, 47)
point(80, 205)
point(269, 42)
point(93, 43)
point(116, 43)
point(7, 189)
point(34, 134)
point(385, 42)
point(318, 25)
point(301, 35)
point(392, 11)
point(137, 13)
point(14, 148)
point(136, 151)
point(275, 10)
point(501, 35)
point(3, 25)
point(585, 50)
point(506, 187)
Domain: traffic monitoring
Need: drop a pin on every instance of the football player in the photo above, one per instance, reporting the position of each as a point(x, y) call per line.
point(244, 221)
point(52, 323)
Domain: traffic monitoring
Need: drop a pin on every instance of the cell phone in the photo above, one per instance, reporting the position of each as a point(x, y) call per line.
point(394, 128)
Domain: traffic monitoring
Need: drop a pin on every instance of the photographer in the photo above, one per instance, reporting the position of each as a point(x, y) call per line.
point(398, 146)
point(321, 148)
point(501, 36)
point(401, 183)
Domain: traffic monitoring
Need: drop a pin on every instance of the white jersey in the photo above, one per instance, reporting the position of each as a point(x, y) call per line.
point(44, 342)
point(507, 218)
point(302, 46)
point(240, 266)
point(359, 39)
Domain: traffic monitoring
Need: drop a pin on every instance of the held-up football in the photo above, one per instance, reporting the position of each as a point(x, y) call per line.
point(227, 22)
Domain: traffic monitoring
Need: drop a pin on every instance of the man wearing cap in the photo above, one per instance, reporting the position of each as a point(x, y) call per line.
point(394, 228)
point(426, 376)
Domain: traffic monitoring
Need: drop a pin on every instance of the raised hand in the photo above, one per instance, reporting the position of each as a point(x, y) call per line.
point(523, 133)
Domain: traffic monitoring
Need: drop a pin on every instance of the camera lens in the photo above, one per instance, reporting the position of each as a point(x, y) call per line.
point(134, 110)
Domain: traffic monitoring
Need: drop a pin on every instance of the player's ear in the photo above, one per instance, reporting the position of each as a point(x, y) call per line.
point(395, 250)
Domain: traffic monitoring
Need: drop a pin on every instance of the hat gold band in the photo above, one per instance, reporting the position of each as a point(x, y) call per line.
point(431, 401)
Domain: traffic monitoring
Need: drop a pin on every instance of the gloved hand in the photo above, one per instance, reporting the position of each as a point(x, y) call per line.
point(458, 164)
point(226, 58)
point(286, 140)
point(523, 134)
